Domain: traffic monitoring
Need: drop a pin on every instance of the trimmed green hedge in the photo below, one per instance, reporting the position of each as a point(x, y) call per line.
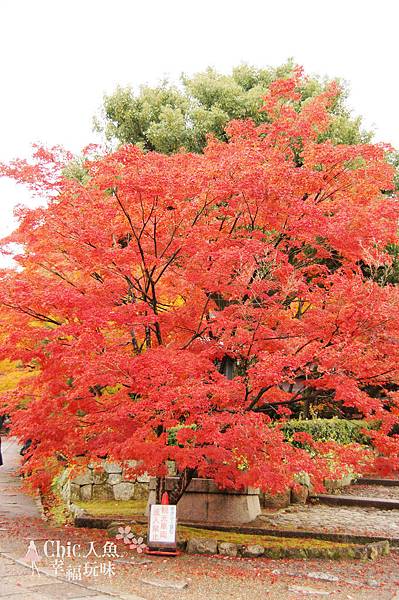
point(342, 431)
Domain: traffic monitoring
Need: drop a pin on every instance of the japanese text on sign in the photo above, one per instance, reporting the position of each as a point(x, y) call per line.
point(162, 524)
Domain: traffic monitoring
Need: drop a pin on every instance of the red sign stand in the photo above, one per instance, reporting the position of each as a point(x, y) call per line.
point(162, 529)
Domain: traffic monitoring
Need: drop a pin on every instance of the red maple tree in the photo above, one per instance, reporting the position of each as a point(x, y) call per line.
point(197, 297)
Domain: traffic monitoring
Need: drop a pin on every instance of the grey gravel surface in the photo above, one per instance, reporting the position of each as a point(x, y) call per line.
point(339, 519)
point(206, 577)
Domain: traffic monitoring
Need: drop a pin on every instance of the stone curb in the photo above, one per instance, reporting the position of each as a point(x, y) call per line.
point(341, 500)
point(50, 574)
point(212, 546)
point(376, 481)
point(346, 538)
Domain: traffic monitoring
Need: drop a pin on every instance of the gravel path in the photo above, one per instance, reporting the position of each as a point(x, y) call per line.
point(372, 491)
point(337, 519)
point(204, 577)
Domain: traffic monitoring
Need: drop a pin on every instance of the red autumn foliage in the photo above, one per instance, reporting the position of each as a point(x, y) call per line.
point(140, 289)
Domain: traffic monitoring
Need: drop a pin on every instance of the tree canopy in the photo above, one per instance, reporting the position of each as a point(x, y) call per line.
point(167, 118)
point(205, 294)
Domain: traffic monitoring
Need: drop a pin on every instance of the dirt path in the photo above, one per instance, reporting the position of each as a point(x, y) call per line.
point(20, 524)
point(186, 577)
point(13, 502)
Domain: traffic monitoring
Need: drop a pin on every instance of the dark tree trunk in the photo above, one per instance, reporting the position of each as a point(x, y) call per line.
point(161, 485)
point(307, 397)
point(178, 490)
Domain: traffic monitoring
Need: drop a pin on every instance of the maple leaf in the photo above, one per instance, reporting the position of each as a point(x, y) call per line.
point(209, 295)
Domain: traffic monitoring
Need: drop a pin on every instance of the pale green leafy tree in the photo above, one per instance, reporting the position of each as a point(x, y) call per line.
point(168, 118)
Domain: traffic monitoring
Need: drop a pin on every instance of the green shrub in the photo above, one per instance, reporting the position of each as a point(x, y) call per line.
point(342, 431)
point(172, 439)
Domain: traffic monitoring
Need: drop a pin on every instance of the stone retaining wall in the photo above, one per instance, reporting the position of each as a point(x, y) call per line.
point(299, 493)
point(108, 483)
point(204, 502)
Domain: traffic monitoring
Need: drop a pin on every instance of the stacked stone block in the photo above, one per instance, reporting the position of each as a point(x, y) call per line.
point(107, 483)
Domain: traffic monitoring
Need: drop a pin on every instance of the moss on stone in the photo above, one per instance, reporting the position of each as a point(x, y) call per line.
point(263, 540)
point(274, 547)
point(120, 508)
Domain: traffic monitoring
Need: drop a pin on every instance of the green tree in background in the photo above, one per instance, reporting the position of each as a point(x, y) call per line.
point(168, 118)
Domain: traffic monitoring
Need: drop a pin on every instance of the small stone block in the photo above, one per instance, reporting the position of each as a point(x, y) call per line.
point(252, 551)
point(166, 583)
point(75, 491)
point(202, 546)
point(114, 478)
point(322, 576)
point(140, 491)
point(361, 552)
point(83, 479)
point(382, 547)
point(281, 500)
point(86, 492)
point(301, 589)
point(123, 491)
point(103, 492)
point(227, 549)
point(299, 494)
point(112, 468)
point(100, 477)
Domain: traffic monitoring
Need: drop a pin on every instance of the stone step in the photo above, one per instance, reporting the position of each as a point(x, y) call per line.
point(376, 481)
point(341, 500)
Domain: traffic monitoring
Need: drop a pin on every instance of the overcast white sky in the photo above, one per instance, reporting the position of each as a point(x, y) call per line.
point(60, 56)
